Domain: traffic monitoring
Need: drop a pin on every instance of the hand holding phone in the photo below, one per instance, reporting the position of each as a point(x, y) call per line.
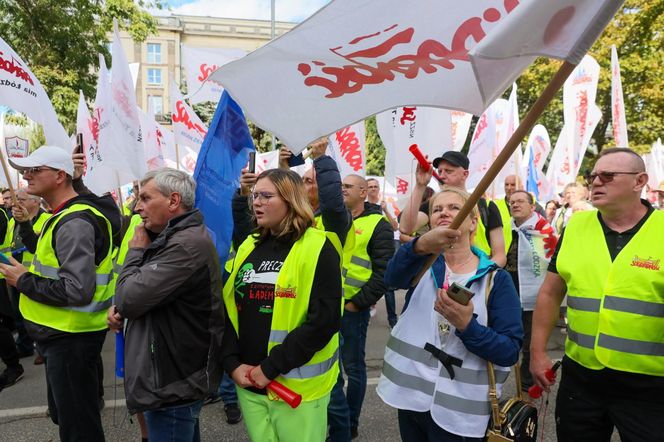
point(459, 293)
point(5, 260)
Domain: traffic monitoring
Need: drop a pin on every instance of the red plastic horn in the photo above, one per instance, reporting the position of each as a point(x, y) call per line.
point(286, 394)
point(535, 391)
point(424, 164)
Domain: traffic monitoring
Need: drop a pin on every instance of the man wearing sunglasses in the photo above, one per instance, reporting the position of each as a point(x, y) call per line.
point(64, 292)
point(610, 263)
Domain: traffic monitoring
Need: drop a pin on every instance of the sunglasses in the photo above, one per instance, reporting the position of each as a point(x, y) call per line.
point(605, 177)
point(35, 170)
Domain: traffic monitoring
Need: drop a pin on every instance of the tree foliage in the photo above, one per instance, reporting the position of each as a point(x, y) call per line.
point(61, 39)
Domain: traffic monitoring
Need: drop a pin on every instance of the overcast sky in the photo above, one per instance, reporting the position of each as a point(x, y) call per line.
point(286, 10)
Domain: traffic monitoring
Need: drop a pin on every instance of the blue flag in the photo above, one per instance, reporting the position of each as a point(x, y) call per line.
point(224, 153)
point(531, 184)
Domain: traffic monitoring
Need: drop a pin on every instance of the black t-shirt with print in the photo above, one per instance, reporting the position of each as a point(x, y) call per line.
point(254, 297)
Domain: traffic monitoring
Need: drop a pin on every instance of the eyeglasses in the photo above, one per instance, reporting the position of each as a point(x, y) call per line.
point(350, 186)
point(35, 170)
point(261, 197)
point(605, 177)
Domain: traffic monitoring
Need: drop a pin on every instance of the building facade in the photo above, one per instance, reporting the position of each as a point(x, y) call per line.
point(160, 55)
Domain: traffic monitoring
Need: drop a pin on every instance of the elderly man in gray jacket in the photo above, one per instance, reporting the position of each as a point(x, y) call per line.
point(169, 290)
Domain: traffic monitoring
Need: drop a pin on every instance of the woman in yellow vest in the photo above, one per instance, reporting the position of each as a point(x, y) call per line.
point(283, 300)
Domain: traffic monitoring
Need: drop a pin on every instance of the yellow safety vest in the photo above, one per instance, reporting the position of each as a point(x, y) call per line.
point(26, 258)
point(357, 269)
point(6, 245)
point(316, 378)
point(87, 318)
point(120, 253)
point(615, 310)
point(507, 221)
point(348, 245)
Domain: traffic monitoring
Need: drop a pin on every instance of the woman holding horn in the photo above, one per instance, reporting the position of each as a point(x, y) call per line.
point(283, 300)
point(435, 366)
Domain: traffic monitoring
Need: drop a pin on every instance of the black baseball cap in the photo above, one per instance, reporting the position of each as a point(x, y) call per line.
point(454, 158)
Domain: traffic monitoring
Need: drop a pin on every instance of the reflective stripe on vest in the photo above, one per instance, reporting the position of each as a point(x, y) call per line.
point(358, 269)
point(413, 379)
point(615, 310)
point(37, 226)
point(316, 378)
point(72, 319)
point(507, 221)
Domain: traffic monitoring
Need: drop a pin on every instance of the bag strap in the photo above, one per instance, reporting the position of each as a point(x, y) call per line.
point(496, 412)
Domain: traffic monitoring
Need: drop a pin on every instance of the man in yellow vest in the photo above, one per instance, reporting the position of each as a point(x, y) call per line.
point(64, 293)
point(453, 170)
point(27, 222)
point(169, 290)
point(363, 286)
point(610, 263)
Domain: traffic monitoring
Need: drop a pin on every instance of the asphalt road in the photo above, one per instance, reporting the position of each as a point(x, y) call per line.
point(23, 406)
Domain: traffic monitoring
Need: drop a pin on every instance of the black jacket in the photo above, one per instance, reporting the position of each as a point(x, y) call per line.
point(380, 249)
point(170, 292)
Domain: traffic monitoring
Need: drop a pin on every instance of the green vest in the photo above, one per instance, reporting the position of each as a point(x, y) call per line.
point(357, 269)
point(507, 221)
point(316, 378)
point(615, 310)
point(37, 225)
point(87, 318)
point(480, 238)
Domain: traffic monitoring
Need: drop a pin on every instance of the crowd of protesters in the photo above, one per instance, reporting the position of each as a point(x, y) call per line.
point(309, 258)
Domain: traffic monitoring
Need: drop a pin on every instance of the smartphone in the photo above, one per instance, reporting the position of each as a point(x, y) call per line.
point(79, 143)
point(459, 293)
point(4, 259)
point(252, 162)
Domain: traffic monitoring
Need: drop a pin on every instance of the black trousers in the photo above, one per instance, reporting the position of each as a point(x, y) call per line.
point(72, 381)
point(591, 402)
point(8, 351)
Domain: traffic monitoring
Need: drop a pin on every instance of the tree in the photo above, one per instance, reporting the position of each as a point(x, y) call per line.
point(61, 39)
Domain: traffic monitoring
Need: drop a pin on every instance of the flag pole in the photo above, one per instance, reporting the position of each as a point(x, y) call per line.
point(273, 33)
point(9, 181)
point(177, 156)
point(519, 134)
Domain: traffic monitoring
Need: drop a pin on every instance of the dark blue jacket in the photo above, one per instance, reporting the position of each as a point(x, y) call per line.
point(501, 341)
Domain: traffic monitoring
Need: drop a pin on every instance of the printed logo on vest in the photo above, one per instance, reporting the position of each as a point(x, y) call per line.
point(650, 263)
point(358, 231)
point(288, 292)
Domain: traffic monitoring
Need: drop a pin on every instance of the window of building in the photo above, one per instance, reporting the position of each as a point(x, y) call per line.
point(154, 76)
point(154, 53)
point(156, 104)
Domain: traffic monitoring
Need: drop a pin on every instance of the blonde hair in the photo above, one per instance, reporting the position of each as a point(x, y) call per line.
point(300, 215)
point(465, 196)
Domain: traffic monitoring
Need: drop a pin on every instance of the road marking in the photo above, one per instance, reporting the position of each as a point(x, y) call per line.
point(36, 411)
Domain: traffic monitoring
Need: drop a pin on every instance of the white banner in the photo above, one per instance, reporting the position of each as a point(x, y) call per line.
point(655, 164)
point(488, 140)
point(152, 141)
point(348, 148)
point(399, 162)
point(579, 94)
point(199, 63)
point(619, 121)
point(266, 161)
point(515, 163)
point(539, 144)
point(21, 91)
point(125, 124)
point(188, 129)
point(354, 59)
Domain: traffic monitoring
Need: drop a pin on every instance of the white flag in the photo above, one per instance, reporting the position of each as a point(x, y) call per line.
point(355, 59)
point(152, 141)
point(655, 164)
point(199, 63)
point(188, 129)
point(488, 140)
point(84, 126)
point(347, 147)
point(20, 90)
point(266, 161)
point(539, 145)
point(125, 124)
point(619, 121)
point(460, 123)
point(514, 164)
point(399, 162)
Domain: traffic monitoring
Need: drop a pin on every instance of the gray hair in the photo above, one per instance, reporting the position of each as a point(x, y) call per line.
point(169, 180)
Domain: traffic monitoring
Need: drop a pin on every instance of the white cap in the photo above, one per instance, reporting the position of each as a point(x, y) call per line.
point(48, 156)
